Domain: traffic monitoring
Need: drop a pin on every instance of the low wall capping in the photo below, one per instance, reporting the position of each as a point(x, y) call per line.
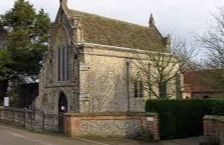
point(214, 117)
point(111, 114)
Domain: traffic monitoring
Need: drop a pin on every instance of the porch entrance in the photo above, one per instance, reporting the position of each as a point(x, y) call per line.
point(62, 108)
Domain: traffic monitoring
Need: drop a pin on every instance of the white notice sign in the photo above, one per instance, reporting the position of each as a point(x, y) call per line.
point(150, 119)
point(6, 101)
point(62, 108)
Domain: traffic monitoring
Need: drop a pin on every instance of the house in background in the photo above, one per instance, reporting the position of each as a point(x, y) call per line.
point(203, 84)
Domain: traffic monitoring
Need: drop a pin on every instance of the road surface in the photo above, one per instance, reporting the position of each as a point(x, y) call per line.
point(14, 136)
point(10, 135)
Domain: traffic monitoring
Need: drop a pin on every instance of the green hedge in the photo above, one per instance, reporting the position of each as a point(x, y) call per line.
point(183, 118)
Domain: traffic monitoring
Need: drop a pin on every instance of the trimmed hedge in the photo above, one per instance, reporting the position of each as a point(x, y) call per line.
point(183, 118)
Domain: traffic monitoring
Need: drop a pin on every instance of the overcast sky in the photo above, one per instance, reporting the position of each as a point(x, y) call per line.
point(178, 17)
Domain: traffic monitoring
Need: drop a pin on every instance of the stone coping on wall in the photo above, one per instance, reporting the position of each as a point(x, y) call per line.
point(215, 117)
point(111, 114)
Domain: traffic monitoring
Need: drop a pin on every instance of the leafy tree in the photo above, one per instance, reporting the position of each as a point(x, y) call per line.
point(25, 42)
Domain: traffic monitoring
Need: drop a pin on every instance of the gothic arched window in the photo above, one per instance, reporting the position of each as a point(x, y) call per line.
point(63, 63)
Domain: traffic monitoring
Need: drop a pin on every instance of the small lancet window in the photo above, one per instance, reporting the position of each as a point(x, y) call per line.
point(63, 63)
point(138, 86)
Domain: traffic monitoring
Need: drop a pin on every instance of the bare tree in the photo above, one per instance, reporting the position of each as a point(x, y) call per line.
point(213, 40)
point(160, 74)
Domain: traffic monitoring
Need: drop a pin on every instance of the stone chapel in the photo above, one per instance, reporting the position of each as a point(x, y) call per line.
point(88, 63)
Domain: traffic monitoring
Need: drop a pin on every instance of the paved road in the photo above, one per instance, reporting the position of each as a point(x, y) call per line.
point(15, 136)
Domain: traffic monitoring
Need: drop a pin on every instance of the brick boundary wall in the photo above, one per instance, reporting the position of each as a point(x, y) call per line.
point(214, 129)
point(122, 125)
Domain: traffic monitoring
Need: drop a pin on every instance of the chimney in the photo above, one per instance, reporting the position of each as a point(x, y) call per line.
point(151, 21)
point(167, 42)
point(64, 2)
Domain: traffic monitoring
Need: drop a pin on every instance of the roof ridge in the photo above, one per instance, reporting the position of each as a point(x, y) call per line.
point(109, 18)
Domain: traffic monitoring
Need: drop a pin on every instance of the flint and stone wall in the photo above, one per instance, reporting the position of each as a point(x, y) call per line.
point(214, 129)
point(106, 85)
point(124, 125)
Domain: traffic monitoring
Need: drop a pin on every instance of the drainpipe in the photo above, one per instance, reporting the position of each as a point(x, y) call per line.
point(128, 84)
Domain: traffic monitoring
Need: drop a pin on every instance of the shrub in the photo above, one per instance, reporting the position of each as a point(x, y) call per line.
point(23, 95)
point(183, 118)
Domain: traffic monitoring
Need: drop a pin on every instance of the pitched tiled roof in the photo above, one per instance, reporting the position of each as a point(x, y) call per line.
point(107, 31)
point(204, 81)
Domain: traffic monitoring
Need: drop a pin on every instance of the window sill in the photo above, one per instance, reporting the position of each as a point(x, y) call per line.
point(139, 98)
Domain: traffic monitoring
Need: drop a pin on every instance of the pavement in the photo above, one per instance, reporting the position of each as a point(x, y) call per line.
point(10, 135)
